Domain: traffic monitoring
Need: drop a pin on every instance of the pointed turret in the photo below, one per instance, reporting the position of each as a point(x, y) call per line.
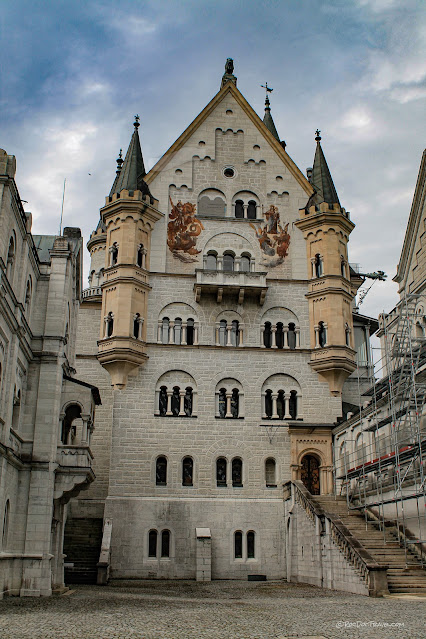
point(321, 179)
point(130, 175)
point(268, 121)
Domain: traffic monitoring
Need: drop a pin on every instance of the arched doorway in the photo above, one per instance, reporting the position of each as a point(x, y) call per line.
point(310, 474)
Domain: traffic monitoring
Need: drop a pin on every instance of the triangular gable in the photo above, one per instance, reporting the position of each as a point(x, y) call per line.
point(411, 234)
point(229, 87)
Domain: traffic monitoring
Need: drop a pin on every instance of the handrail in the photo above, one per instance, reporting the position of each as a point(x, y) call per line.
point(374, 574)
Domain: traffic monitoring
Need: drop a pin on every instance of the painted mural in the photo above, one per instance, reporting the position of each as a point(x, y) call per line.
point(182, 231)
point(273, 238)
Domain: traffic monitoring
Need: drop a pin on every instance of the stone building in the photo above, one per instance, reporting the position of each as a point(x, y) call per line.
point(46, 415)
point(218, 326)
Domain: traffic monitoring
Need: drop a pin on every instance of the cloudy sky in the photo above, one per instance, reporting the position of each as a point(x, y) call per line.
point(74, 73)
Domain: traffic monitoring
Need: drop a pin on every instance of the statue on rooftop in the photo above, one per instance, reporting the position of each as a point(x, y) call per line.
point(229, 66)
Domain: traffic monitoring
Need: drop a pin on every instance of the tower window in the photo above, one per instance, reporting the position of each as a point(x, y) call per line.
point(190, 332)
point(291, 336)
point(237, 472)
point(137, 326)
point(245, 263)
point(222, 403)
point(221, 465)
point(267, 335)
point(250, 545)
point(223, 333)
point(235, 333)
point(114, 254)
point(178, 331)
point(268, 403)
point(322, 334)
point(270, 473)
point(235, 401)
point(109, 324)
point(318, 265)
point(281, 404)
point(165, 543)
point(280, 335)
point(176, 401)
point(161, 471)
point(228, 262)
point(188, 401)
point(162, 407)
point(239, 209)
point(187, 471)
point(152, 543)
point(293, 404)
point(251, 210)
point(238, 544)
point(140, 256)
point(211, 261)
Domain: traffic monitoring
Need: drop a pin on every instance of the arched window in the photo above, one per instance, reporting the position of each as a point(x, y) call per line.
point(114, 254)
point(187, 471)
point(238, 544)
point(165, 332)
point(190, 332)
point(28, 295)
point(222, 403)
point(267, 335)
point(211, 261)
point(11, 256)
point(223, 335)
point(188, 401)
point(293, 404)
point(161, 471)
point(250, 545)
point(239, 209)
point(251, 210)
point(221, 466)
point(235, 402)
point(318, 265)
point(109, 324)
point(291, 336)
point(140, 256)
point(419, 333)
point(270, 473)
point(16, 410)
point(178, 331)
point(237, 472)
point(152, 543)
point(281, 404)
point(279, 336)
point(228, 262)
point(162, 406)
point(176, 401)
point(6, 519)
point(347, 335)
point(136, 326)
point(165, 543)
point(342, 266)
point(68, 431)
point(322, 334)
point(235, 333)
point(245, 263)
point(268, 403)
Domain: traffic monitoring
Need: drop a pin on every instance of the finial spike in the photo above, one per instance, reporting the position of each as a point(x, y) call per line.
point(136, 122)
point(318, 137)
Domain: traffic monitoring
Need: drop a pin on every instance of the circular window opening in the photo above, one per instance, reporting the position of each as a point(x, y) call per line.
point(229, 173)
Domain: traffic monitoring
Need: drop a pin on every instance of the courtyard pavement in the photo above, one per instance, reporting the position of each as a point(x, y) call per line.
point(215, 610)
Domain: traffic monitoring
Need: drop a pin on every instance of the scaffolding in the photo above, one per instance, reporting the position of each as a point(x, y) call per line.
point(382, 468)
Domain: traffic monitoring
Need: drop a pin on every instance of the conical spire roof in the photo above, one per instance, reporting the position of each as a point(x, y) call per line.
point(321, 179)
point(268, 121)
point(131, 175)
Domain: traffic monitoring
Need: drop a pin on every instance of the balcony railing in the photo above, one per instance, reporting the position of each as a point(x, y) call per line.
point(239, 283)
point(72, 456)
point(93, 291)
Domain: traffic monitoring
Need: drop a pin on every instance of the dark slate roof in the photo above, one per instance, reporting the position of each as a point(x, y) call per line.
point(101, 224)
point(133, 169)
point(268, 121)
point(321, 180)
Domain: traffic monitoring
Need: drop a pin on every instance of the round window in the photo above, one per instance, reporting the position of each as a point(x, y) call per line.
point(228, 172)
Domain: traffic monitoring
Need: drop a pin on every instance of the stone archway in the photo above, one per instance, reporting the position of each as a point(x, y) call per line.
point(310, 473)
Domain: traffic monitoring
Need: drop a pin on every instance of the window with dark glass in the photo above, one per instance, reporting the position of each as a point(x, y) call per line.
point(152, 543)
point(245, 264)
point(250, 545)
point(239, 209)
point(235, 333)
point(187, 471)
point(165, 543)
point(281, 404)
point(270, 473)
point(177, 331)
point(222, 402)
point(190, 332)
point(114, 254)
point(110, 325)
point(238, 544)
point(176, 401)
point(228, 262)
point(140, 255)
point(237, 472)
point(136, 323)
point(223, 334)
point(322, 334)
point(279, 336)
point(187, 401)
point(235, 402)
point(251, 210)
point(161, 471)
point(221, 471)
point(291, 336)
point(267, 335)
point(211, 262)
point(165, 331)
point(293, 404)
point(318, 265)
point(268, 403)
point(162, 401)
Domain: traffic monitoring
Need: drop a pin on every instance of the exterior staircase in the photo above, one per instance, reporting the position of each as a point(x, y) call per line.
point(402, 579)
point(82, 546)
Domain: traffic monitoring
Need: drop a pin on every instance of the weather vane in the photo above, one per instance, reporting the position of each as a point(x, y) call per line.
point(267, 89)
point(136, 122)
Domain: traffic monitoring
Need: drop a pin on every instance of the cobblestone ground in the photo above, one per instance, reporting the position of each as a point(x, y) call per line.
point(216, 610)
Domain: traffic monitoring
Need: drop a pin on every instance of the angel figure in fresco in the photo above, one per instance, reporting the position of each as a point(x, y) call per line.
point(274, 239)
point(182, 230)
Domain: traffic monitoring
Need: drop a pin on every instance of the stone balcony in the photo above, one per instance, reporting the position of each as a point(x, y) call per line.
point(240, 284)
point(74, 472)
point(92, 293)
